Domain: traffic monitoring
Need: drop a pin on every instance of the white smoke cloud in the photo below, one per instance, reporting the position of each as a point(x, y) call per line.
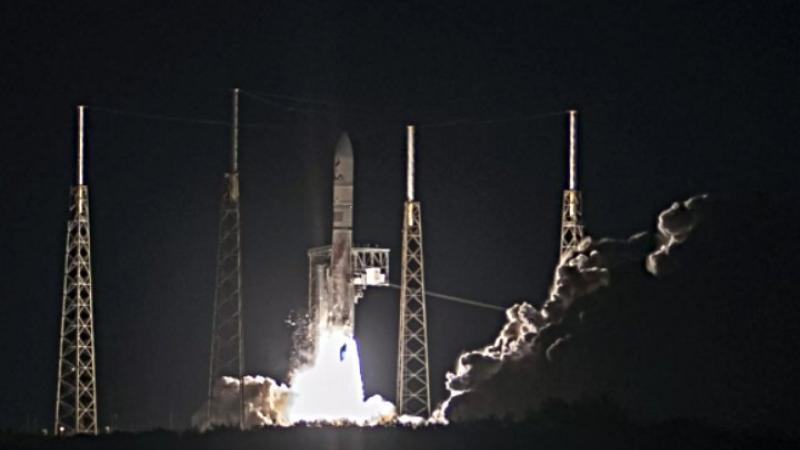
point(674, 226)
point(518, 371)
point(264, 401)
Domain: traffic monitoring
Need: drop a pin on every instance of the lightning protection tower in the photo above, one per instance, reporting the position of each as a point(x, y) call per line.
point(413, 374)
point(227, 340)
point(571, 209)
point(76, 391)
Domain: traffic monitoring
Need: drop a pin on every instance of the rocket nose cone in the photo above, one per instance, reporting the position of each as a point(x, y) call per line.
point(344, 148)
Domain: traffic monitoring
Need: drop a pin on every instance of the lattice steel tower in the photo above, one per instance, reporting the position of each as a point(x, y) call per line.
point(76, 391)
point(571, 209)
point(227, 340)
point(413, 374)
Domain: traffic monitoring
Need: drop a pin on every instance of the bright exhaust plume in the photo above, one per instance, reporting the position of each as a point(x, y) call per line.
point(329, 390)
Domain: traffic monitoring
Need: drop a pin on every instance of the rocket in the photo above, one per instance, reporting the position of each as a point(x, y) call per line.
point(340, 308)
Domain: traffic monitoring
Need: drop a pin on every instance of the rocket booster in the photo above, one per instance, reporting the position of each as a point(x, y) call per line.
point(341, 298)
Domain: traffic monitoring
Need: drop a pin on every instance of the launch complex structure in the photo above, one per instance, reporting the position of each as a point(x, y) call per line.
point(76, 390)
point(572, 232)
point(413, 395)
point(227, 337)
point(338, 275)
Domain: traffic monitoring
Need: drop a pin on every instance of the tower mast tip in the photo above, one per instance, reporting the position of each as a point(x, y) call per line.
point(410, 163)
point(573, 144)
point(235, 133)
point(81, 109)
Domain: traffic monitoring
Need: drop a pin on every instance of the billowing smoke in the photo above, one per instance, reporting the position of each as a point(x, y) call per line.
point(674, 226)
point(264, 401)
point(662, 323)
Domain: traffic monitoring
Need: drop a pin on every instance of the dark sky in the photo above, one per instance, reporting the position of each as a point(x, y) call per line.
point(675, 98)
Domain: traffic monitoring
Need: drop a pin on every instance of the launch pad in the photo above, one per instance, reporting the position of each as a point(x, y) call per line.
point(325, 381)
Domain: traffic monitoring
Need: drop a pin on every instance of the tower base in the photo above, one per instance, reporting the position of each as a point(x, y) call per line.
point(413, 374)
point(572, 232)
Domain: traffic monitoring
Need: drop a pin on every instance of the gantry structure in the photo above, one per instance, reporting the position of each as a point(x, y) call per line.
point(76, 391)
point(227, 339)
point(572, 231)
point(413, 396)
point(370, 267)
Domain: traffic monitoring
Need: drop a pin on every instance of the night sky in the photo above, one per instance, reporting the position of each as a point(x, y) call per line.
point(674, 99)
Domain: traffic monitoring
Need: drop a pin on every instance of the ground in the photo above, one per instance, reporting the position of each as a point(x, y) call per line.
point(592, 425)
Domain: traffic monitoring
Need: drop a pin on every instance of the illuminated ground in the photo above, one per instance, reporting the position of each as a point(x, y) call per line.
point(559, 427)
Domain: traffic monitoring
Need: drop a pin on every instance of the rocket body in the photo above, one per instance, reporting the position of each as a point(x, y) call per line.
point(340, 308)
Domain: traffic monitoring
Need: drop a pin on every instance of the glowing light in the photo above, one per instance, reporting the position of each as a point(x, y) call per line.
point(330, 390)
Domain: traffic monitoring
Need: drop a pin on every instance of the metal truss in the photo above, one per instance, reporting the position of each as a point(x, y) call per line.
point(227, 337)
point(413, 374)
point(572, 206)
point(76, 392)
point(227, 343)
point(370, 267)
point(571, 221)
